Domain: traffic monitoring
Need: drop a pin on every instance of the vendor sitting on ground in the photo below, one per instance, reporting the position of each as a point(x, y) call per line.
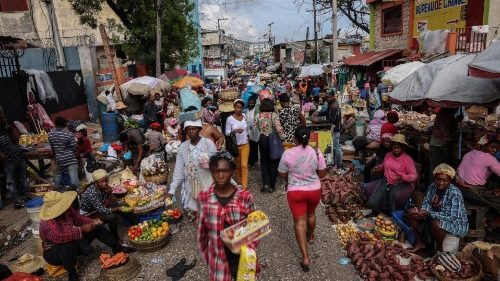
point(348, 131)
point(383, 149)
point(84, 146)
point(98, 201)
point(155, 138)
point(173, 129)
point(473, 173)
point(389, 126)
point(65, 234)
point(122, 115)
point(133, 141)
point(372, 139)
point(442, 211)
point(399, 179)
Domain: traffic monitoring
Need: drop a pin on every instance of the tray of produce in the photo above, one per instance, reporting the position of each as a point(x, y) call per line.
point(366, 225)
point(254, 227)
point(386, 227)
point(149, 235)
point(173, 215)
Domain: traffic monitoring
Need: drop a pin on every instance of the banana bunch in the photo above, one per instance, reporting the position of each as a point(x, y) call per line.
point(256, 216)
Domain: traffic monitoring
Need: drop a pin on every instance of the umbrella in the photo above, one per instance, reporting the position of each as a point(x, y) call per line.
point(487, 63)
point(396, 74)
point(141, 86)
point(445, 83)
point(311, 70)
point(188, 80)
point(175, 74)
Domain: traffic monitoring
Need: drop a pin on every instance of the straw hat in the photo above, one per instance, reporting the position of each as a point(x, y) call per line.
point(99, 174)
point(399, 138)
point(120, 105)
point(226, 106)
point(28, 263)
point(348, 110)
point(56, 203)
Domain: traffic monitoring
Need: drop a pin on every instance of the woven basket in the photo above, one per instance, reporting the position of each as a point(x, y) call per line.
point(40, 189)
point(151, 246)
point(157, 179)
point(159, 204)
point(126, 272)
point(230, 94)
point(458, 255)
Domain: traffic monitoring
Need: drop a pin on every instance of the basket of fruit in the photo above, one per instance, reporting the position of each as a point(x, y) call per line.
point(158, 173)
point(386, 228)
point(459, 266)
point(150, 235)
point(173, 216)
point(119, 191)
point(253, 228)
point(149, 206)
point(128, 268)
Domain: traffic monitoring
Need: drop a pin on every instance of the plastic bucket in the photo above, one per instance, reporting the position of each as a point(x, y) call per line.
point(451, 243)
point(33, 208)
point(360, 129)
point(109, 126)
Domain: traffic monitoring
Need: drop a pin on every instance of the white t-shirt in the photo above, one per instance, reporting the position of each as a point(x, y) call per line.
point(233, 124)
point(111, 102)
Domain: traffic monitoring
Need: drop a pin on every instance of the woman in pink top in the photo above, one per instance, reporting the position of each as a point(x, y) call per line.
point(303, 166)
point(399, 179)
point(473, 173)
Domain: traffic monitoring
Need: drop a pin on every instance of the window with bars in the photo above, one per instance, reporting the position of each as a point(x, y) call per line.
point(8, 6)
point(392, 20)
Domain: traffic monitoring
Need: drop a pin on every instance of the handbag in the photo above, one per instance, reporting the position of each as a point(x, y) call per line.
point(232, 145)
point(275, 143)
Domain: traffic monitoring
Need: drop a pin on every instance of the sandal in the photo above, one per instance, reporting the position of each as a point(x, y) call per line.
point(305, 267)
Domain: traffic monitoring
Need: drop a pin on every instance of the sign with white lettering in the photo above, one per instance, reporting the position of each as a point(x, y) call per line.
point(438, 14)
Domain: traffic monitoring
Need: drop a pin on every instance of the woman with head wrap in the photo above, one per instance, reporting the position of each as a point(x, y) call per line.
point(189, 171)
point(443, 211)
point(155, 137)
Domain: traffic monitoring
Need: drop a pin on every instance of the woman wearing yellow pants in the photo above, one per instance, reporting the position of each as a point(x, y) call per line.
point(237, 124)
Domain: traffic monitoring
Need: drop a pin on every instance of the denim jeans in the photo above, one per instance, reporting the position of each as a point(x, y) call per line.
point(15, 177)
point(337, 149)
point(72, 170)
point(268, 167)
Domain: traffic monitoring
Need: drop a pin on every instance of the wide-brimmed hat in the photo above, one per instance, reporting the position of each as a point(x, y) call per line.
point(120, 105)
point(348, 110)
point(28, 263)
point(226, 106)
point(99, 174)
point(399, 138)
point(56, 203)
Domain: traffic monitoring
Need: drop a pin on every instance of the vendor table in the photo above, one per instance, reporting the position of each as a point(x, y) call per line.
point(39, 153)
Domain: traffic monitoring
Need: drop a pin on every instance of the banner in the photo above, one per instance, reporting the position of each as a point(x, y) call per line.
point(430, 15)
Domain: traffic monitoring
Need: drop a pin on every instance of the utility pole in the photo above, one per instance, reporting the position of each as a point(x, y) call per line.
point(56, 37)
point(107, 49)
point(270, 37)
point(305, 46)
point(158, 39)
point(335, 42)
point(220, 41)
point(315, 32)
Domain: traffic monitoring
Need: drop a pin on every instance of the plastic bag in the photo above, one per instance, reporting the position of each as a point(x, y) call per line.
point(247, 267)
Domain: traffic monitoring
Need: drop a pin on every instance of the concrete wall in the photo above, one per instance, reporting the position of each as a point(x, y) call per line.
point(45, 59)
point(88, 59)
point(399, 41)
point(494, 19)
point(22, 25)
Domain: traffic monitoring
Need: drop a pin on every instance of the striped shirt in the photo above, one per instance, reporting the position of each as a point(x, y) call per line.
point(10, 149)
point(451, 215)
point(63, 144)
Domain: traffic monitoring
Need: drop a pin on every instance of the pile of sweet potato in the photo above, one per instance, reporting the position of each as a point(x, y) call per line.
point(381, 261)
point(342, 196)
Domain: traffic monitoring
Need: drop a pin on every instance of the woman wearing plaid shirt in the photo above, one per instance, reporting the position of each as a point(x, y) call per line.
point(443, 211)
point(221, 206)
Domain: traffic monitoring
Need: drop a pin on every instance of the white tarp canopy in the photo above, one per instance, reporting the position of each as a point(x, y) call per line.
point(398, 73)
point(141, 86)
point(311, 70)
point(487, 63)
point(446, 83)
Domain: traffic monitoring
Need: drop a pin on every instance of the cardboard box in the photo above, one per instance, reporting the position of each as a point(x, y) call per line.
point(487, 254)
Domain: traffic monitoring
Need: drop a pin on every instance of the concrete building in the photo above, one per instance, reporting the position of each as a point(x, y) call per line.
point(196, 64)
point(216, 54)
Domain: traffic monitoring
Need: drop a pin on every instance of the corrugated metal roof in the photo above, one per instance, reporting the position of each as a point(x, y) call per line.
point(369, 58)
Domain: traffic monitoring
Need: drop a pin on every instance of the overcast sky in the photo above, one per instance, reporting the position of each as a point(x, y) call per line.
point(248, 19)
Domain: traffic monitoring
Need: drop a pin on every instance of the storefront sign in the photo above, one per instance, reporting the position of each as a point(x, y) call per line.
point(439, 14)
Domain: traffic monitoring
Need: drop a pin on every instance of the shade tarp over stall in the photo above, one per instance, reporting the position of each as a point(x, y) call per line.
point(487, 63)
point(398, 73)
point(446, 83)
point(311, 70)
point(141, 86)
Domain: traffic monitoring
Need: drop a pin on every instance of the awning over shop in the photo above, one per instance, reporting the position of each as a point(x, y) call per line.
point(487, 63)
point(369, 58)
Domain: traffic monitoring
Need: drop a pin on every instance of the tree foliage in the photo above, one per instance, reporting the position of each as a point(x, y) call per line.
point(355, 10)
point(136, 30)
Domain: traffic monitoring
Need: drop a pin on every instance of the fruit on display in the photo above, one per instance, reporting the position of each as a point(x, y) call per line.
point(108, 261)
point(347, 232)
point(171, 214)
point(119, 189)
point(33, 139)
point(145, 196)
point(385, 226)
point(159, 167)
point(149, 231)
point(126, 209)
point(256, 216)
point(255, 221)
